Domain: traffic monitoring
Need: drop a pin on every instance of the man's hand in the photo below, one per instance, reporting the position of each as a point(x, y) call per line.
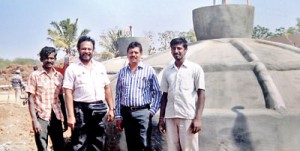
point(110, 116)
point(65, 125)
point(196, 126)
point(36, 126)
point(119, 125)
point(161, 126)
point(71, 122)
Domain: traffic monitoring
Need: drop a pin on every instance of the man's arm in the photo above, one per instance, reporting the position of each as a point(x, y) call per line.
point(163, 104)
point(118, 104)
point(156, 94)
point(110, 103)
point(31, 106)
point(70, 107)
point(197, 121)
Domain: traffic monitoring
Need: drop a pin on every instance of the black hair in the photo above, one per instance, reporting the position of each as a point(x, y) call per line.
point(46, 51)
point(85, 38)
point(135, 44)
point(179, 40)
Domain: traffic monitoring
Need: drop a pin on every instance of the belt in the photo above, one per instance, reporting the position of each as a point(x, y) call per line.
point(135, 108)
point(94, 102)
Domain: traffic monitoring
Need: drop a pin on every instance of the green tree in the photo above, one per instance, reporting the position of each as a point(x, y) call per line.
point(298, 25)
point(150, 35)
point(108, 40)
point(260, 32)
point(165, 39)
point(64, 35)
point(279, 32)
point(190, 36)
point(291, 30)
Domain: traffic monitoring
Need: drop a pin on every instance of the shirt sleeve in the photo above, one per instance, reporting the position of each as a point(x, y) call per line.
point(118, 97)
point(31, 84)
point(106, 80)
point(164, 83)
point(199, 78)
point(155, 92)
point(68, 78)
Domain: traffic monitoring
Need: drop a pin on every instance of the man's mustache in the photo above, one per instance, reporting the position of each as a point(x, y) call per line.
point(50, 63)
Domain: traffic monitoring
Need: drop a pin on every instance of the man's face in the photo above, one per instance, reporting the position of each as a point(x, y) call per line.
point(134, 55)
point(49, 61)
point(178, 52)
point(86, 51)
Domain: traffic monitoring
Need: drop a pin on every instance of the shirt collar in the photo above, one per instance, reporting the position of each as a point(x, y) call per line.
point(43, 71)
point(140, 65)
point(78, 62)
point(185, 64)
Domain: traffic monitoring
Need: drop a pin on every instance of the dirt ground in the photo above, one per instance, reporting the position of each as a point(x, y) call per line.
point(15, 126)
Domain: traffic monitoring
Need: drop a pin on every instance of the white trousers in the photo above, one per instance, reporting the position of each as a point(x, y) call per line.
point(179, 135)
point(17, 94)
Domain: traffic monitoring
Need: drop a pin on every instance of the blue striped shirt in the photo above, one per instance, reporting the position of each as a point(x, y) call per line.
point(137, 89)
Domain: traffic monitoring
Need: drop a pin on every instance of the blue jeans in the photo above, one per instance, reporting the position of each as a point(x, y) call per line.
point(53, 128)
point(137, 125)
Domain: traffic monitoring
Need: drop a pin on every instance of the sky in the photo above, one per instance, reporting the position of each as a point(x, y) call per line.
point(24, 23)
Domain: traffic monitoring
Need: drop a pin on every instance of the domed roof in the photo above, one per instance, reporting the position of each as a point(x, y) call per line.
point(240, 71)
point(252, 90)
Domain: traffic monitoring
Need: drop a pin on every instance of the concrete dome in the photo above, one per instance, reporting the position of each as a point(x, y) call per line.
point(252, 93)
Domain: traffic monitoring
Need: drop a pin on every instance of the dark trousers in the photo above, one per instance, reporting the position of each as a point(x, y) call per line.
point(53, 128)
point(89, 130)
point(137, 125)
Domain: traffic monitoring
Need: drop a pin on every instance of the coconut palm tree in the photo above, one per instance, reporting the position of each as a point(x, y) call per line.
point(64, 35)
point(108, 40)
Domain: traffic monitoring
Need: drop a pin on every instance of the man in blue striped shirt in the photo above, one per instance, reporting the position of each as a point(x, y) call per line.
point(137, 100)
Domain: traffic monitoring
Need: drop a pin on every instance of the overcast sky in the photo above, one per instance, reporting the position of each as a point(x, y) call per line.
point(24, 23)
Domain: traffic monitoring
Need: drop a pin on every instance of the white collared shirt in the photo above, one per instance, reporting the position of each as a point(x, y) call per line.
point(182, 85)
point(87, 84)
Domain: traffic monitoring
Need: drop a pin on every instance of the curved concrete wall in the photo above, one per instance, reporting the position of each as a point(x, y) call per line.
point(123, 43)
point(223, 21)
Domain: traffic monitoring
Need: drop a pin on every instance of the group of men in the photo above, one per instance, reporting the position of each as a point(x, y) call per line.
point(180, 98)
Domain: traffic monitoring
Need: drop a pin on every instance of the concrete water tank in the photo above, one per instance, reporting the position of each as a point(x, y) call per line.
point(223, 21)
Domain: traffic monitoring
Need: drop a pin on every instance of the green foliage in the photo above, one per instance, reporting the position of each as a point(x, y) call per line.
point(260, 32)
point(190, 36)
point(165, 39)
point(64, 35)
point(150, 35)
point(279, 32)
point(108, 40)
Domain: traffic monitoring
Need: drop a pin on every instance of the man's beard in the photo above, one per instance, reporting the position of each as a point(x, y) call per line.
point(85, 59)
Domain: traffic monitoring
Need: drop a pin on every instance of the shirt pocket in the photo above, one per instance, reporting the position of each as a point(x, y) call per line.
point(82, 78)
point(40, 89)
point(125, 86)
point(186, 82)
point(142, 83)
point(100, 79)
point(58, 86)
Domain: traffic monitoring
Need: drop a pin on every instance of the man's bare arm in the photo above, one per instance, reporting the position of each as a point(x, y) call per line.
point(70, 107)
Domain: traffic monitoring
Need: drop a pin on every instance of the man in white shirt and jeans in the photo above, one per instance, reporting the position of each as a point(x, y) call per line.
point(86, 86)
